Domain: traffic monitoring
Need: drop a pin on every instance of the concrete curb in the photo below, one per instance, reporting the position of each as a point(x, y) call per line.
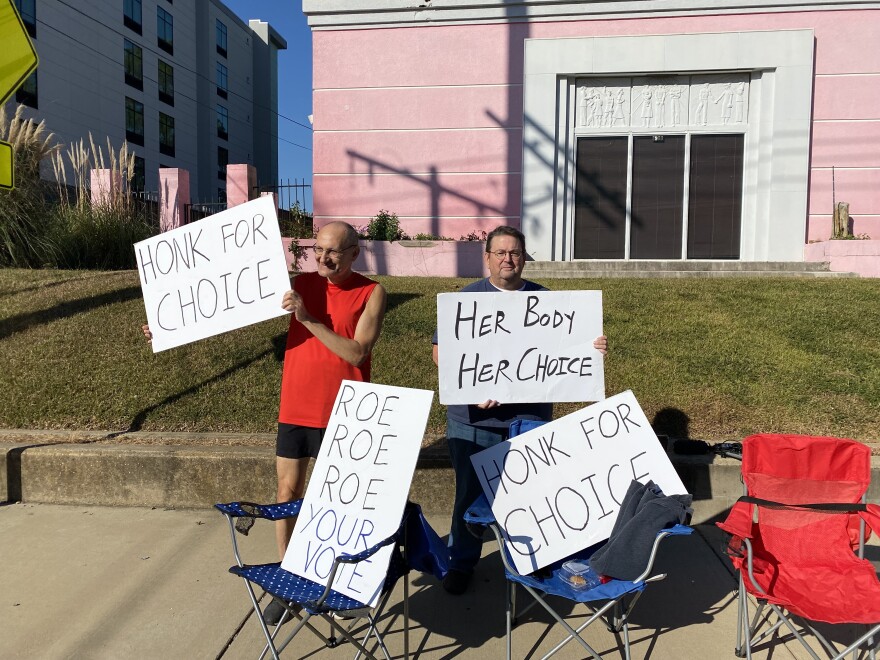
point(79, 470)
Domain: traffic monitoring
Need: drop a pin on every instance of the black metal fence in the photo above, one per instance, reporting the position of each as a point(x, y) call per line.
point(147, 204)
point(199, 210)
point(294, 205)
point(293, 194)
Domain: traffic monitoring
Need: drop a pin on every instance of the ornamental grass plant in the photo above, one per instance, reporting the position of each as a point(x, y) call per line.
point(51, 223)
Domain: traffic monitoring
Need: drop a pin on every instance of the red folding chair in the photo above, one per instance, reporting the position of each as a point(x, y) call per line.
point(797, 541)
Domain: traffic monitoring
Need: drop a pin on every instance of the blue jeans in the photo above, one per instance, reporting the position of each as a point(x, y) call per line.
point(465, 441)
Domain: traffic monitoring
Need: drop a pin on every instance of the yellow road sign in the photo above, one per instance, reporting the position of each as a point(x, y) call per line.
point(7, 165)
point(18, 59)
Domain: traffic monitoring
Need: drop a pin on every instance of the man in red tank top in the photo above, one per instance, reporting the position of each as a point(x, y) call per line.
point(336, 318)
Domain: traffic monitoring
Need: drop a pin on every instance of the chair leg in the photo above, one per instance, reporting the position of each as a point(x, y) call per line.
point(406, 616)
point(572, 633)
point(269, 639)
point(739, 618)
point(510, 601)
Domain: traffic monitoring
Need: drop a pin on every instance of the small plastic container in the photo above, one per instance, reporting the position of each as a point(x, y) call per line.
point(579, 575)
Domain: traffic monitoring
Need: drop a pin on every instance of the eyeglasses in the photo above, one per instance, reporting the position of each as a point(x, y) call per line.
point(333, 254)
point(501, 255)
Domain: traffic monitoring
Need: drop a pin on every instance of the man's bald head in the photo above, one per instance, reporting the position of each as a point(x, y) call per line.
point(342, 231)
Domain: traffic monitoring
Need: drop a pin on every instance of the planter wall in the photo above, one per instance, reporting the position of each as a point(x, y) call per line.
point(854, 256)
point(408, 258)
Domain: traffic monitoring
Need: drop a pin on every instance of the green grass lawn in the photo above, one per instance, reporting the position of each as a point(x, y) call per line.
point(737, 356)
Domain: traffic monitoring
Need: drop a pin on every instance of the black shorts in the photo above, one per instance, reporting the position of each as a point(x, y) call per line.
point(298, 441)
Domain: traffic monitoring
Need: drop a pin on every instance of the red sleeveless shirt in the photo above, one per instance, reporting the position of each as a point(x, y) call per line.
point(312, 372)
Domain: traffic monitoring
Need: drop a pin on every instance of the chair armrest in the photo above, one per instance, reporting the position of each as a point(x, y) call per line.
point(346, 558)
point(872, 517)
point(739, 521)
point(278, 511)
point(480, 512)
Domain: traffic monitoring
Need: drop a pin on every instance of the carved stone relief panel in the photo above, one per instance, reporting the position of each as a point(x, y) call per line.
point(660, 102)
point(720, 100)
point(603, 103)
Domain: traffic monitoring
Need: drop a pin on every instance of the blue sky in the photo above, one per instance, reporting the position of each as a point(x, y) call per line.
point(294, 80)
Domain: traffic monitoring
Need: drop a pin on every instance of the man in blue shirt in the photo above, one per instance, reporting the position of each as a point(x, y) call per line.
point(470, 429)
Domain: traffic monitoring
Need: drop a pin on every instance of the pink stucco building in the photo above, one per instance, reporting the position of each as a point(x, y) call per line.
point(655, 129)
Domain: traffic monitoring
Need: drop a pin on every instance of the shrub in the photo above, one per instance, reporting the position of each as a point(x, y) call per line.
point(385, 226)
point(430, 237)
point(474, 236)
point(297, 223)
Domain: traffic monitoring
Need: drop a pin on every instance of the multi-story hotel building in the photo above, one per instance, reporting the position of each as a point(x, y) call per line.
point(187, 84)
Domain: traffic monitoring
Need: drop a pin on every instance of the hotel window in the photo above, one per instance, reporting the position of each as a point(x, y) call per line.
point(134, 121)
point(222, 162)
point(139, 175)
point(134, 65)
point(222, 122)
point(27, 93)
point(131, 10)
point(166, 134)
point(165, 30)
point(166, 83)
point(27, 9)
point(221, 38)
point(222, 80)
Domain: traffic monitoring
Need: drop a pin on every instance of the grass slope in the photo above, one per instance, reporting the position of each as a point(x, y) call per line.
point(735, 355)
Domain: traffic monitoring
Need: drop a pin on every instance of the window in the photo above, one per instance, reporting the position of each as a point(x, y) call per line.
point(166, 83)
point(166, 134)
point(165, 30)
point(27, 93)
point(131, 10)
point(134, 121)
point(222, 80)
point(222, 162)
point(139, 175)
point(222, 122)
point(134, 65)
point(27, 9)
point(221, 38)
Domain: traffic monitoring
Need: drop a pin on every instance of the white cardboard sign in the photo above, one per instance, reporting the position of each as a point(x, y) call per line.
point(359, 486)
point(224, 272)
point(520, 347)
point(557, 489)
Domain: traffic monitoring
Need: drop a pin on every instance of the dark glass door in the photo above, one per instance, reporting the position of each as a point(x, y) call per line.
point(657, 197)
point(715, 196)
point(600, 198)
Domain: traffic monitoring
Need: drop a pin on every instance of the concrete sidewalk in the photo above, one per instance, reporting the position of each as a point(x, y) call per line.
point(113, 582)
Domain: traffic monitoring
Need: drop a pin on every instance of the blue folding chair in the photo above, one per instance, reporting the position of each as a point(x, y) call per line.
point(611, 602)
point(416, 546)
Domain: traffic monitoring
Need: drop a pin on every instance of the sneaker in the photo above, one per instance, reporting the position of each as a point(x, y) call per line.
point(456, 582)
point(273, 613)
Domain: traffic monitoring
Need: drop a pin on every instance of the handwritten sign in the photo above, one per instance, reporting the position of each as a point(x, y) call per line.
point(359, 486)
point(520, 347)
point(224, 272)
point(557, 489)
